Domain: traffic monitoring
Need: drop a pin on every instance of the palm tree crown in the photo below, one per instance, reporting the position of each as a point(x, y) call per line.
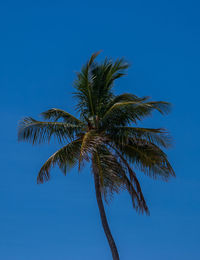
point(106, 134)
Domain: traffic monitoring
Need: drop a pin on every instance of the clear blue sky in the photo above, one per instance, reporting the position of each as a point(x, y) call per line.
point(42, 45)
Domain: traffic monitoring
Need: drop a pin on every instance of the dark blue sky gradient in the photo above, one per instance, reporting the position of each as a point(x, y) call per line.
point(42, 45)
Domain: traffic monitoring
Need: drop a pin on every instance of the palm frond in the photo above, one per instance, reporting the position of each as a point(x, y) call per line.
point(34, 131)
point(161, 106)
point(94, 85)
point(148, 158)
point(138, 202)
point(65, 158)
point(83, 87)
point(113, 178)
point(126, 97)
point(132, 185)
point(104, 76)
point(158, 136)
point(116, 70)
point(92, 58)
point(55, 114)
point(125, 112)
point(91, 140)
point(109, 171)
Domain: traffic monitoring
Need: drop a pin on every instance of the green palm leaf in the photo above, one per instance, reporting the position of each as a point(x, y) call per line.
point(90, 141)
point(65, 158)
point(125, 112)
point(114, 178)
point(148, 158)
point(34, 131)
point(158, 136)
point(55, 114)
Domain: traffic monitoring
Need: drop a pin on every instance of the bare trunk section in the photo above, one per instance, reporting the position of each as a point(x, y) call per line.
point(104, 221)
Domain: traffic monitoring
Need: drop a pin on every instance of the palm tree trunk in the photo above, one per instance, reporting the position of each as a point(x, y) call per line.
point(104, 221)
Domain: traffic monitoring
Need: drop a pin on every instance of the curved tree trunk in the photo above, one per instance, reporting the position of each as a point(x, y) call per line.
point(104, 222)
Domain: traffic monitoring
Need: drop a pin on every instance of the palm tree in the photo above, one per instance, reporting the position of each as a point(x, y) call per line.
point(104, 135)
